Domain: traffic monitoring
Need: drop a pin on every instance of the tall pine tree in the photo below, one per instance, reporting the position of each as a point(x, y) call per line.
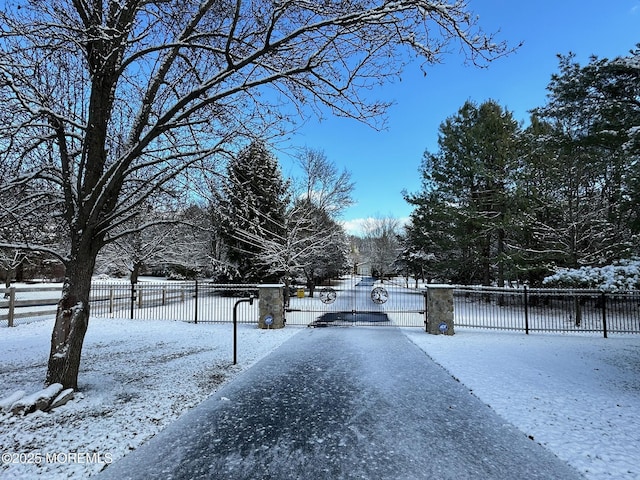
point(251, 204)
point(466, 193)
point(594, 112)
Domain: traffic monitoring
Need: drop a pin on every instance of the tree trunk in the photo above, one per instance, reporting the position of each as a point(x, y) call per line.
point(7, 281)
point(287, 290)
point(485, 261)
point(500, 256)
point(311, 286)
point(72, 320)
point(135, 272)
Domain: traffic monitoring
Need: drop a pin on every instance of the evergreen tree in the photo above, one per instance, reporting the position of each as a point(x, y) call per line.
point(429, 246)
point(498, 202)
point(466, 191)
point(537, 203)
point(252, 204)
point(594, 112)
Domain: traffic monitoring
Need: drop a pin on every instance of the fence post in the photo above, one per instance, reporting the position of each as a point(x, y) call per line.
point(426, 310)
point(133, 298)
point(440, 310)
point(195, 319)
point(526, 311)
point(12, 305)
point(111, 298)
point(604, 313)
point(271, 306)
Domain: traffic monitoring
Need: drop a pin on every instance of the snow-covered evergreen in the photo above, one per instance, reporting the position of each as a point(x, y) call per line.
point(622, 276)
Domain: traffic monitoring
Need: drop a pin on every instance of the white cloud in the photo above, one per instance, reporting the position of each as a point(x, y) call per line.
point(357, 226)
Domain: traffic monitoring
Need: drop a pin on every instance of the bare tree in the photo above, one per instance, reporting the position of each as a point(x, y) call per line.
point(107, 101)
point(308, 243)
point(381, 245)
point(325, 191)
point(323, 184)
point(176, 243)
point(10, 260)
point(30, 227)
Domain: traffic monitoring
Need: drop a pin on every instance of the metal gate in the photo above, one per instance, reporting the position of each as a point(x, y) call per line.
point(358, 300)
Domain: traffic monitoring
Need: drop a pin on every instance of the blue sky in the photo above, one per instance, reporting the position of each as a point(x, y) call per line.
point(384, 163)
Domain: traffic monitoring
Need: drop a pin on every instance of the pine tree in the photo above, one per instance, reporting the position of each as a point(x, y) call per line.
point(252, 204)
point(594, 112)
point(466, 191)
point(429, 246)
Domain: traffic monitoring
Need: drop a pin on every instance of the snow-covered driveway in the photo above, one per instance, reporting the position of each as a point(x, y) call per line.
point(342, 403)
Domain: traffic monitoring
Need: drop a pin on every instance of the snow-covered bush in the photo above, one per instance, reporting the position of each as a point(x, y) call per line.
point(622, 276)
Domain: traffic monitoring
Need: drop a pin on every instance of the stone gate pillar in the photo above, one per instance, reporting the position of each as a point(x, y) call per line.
point(440, 309)
point(271, 306)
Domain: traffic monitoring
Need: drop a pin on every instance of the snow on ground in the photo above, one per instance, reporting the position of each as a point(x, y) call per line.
point(577, 395)
point(136, 377)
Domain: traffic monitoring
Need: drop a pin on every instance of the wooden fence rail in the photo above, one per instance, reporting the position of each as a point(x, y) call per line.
point(12, 304)
point(105, 300)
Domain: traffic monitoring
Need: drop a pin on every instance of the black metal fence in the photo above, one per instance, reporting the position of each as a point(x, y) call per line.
point(356, 301)
point(547, 310)
point(186, 301)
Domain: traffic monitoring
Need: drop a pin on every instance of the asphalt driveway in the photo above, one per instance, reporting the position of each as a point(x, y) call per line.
point(342, 403)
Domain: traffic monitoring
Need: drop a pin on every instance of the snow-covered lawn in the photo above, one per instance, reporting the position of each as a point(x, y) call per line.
point(137, 376)
point(577, 395)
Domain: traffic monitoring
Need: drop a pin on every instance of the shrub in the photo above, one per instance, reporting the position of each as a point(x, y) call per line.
point(621, 276)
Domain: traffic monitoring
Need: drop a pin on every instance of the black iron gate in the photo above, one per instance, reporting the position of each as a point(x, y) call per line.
point(358, 300)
